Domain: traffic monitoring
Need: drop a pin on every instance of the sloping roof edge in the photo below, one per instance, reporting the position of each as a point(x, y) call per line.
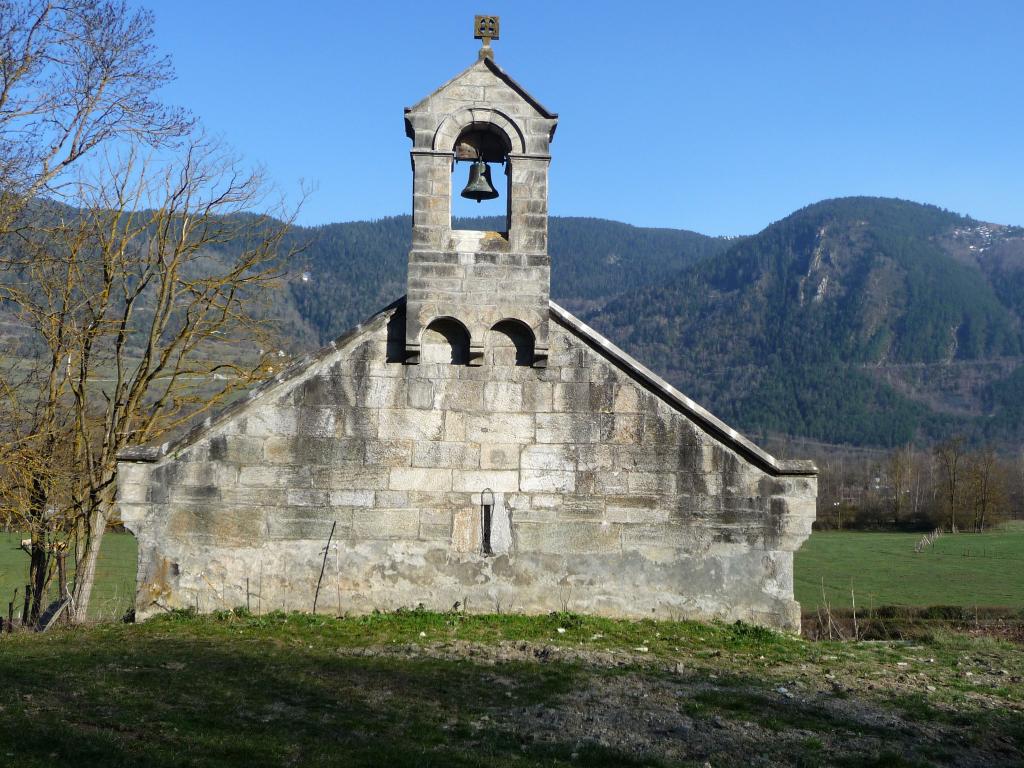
point(658, 386)
point(501, 75)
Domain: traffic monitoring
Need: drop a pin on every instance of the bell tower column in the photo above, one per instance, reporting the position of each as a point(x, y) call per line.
point(480, 279)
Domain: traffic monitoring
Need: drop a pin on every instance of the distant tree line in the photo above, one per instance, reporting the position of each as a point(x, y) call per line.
point(951, 487)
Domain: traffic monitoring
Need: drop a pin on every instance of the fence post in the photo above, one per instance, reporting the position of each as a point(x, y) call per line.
point(24, 611)
point(62, 582)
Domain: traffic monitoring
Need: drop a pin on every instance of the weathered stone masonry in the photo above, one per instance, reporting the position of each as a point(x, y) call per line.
point(609, 492)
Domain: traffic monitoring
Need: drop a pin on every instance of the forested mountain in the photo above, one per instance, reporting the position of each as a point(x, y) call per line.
point(348, 271)
point(859, 320)
point(864, 321)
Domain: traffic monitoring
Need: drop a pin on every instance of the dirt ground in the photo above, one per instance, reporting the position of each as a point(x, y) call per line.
point(674, 715)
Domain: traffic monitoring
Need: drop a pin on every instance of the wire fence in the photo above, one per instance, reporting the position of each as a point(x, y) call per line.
point(114, 590)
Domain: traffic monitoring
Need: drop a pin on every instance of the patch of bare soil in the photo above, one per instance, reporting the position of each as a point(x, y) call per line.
point(652, 710)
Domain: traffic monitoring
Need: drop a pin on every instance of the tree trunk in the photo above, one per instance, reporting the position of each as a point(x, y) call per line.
point(38, 571)
point(85, 574)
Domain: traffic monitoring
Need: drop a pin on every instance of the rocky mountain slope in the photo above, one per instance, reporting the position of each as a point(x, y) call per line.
point(860, 320)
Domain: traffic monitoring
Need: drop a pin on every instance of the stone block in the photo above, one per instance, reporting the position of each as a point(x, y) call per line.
point(626, 428)
point(570, 427)
point(194, 494)
point(304, 450)
point(499, 456)
point(454, 426)
point(503, 396)
point(498, 480)
point(407, 424)
point(627, 399)
point(595, 457)
point(450, 455)
point(390, 499)
point(354, 477)
point(236, 449)
point(274, 477)
point(419, 478)
point(130, 472)
point(388, 453)
point(131, 493)
point(571, 397)
point(315, 422)
point(466, 535)
point(351, 498)
point(358, 422)
point(500, 428)
point(459, 395)
point(637, 536)
point(201, 473)
point(424, 499)
point(611, 481)
point(239, 495)
point(651, 482)
point(386, 524)
point(547, 481)
point(307, 497)
point(548, 457)
point(435, 525)
point(271, 421)
point(379, 392)
point(635, 509)
point(420, 393)
point(578, 537)
point(537, 396)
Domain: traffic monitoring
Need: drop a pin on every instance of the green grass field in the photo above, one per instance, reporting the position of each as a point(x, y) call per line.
point(115, 575)
point(414, 689)
point(965, 569)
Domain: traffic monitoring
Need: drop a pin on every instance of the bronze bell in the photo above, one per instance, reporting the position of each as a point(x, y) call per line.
point(479, 186)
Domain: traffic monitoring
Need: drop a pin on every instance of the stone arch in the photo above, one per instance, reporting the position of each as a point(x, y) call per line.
point(511, 342)
point(445, 340)
point(456, 123)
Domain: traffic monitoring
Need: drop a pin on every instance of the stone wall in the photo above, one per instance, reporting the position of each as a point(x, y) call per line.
point(610, 498)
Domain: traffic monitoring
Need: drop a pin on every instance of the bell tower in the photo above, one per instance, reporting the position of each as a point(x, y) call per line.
point(470, 282)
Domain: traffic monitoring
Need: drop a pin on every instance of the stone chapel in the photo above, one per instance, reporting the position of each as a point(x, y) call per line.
point(473, 443)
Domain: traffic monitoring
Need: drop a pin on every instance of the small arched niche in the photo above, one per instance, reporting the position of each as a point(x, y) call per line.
point(445, 340)
point(487, 142)
point(511, 342)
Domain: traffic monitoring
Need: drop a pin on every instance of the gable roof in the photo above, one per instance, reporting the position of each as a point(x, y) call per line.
point(612, 353)
point(497, 72)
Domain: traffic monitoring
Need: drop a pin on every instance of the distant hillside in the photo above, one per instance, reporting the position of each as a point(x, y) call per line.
point(862, 321)
point(859, 320)
point(350, 270)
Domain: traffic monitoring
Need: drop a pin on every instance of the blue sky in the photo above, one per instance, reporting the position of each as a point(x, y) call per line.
point(718, 117)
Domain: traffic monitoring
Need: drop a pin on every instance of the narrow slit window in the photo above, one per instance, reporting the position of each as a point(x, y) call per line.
point(486, 513)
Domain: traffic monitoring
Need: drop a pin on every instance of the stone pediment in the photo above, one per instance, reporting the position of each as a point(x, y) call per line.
point(629, 366)
point(470, 86)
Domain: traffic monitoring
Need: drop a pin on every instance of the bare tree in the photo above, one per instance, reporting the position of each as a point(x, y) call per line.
point(899, 469)
point(134, 285)
point(74, 76)
point(986, 486)
point(950, 455)
point(149, 303)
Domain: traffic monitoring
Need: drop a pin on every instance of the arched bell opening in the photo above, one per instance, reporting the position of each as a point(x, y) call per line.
point(481, 180)
point(511, 342)
point(445, 340)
